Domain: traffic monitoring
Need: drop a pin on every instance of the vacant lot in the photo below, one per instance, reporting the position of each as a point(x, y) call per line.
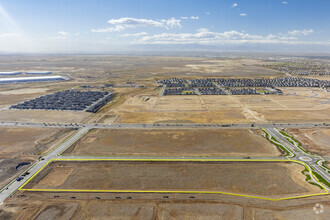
point(297, 104)
point(173, 142)
point(41, 116)
point(315, 140)
point(26, 141)
point(25, 144)
point(269, 179)
point(59, 208)
point(13, 96)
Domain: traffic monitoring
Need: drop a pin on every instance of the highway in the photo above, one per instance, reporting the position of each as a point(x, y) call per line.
point(163, 125)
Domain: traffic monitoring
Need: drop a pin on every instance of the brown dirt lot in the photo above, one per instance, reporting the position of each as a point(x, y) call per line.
point(173, 142)
point(25, 144)
point(10, 97)
point(41, 116)
point(315, 140)
point(27, 141)
point(224, 116)
point(297, 104)
point(249, 178)
point(66, 209)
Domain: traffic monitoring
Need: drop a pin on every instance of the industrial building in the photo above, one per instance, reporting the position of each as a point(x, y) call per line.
point(38, 73)
point(32, 79)
point(10, 73)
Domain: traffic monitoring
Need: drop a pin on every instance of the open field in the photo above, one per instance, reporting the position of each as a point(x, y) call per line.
point(92, 68)
point(173, 142)
point(10, 97)
point(41, 206)
point(271, 179)
point(314, 140)
point(297, 104)
point(43, 116)
point(25, 144)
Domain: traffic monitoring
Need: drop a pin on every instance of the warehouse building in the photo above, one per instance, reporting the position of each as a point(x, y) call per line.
point(38, 73)
point(10, 73)
point(32, 79)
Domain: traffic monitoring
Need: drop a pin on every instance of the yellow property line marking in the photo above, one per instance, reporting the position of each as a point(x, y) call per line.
point(169, 191)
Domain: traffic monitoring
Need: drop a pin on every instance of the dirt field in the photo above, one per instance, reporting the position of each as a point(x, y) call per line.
point(297, 104)
point(10, 97)
point(315, 140)
point(249, 178)
point(65, 209)
point(22, 144)
point(91, 68)
point(173, 142)
point(41, 116)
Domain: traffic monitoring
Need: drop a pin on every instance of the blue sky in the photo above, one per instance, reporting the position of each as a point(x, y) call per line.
point(68, 26)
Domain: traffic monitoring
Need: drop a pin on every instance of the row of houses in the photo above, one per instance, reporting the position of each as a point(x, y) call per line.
point(72, 100)
point(246, 82)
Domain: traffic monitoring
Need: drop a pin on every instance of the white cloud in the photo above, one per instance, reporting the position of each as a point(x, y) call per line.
point(285, 3)
point(134, 35)
point(184, 18)
point(234, 5)
point(64, 34)
point(208, 13)
point(127, 22)
point(204, 36)
point(301, 32)
point(135, 22)
point(61, 35)
point(109, 29)
point(9, 35)
point(194, 17)
point(243, 14)
point(171, 23)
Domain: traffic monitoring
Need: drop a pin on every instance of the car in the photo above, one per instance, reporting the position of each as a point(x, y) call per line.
point(19, 178)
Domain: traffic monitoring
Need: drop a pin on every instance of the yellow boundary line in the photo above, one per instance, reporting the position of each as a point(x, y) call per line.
point(168, 191)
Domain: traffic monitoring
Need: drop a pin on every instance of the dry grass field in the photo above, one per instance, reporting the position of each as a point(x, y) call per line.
point(173, 142)
point(43, 116)
point(249, 178)
point(296, 105)
point(10, 97)
point(40, 206)
point(25, 144)
point(314, 140)
point(93, 68)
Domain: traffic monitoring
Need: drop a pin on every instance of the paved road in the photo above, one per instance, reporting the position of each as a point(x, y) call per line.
point(14, 185)
point(169, 125)
point(310, 160)
point(169, 158)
